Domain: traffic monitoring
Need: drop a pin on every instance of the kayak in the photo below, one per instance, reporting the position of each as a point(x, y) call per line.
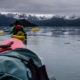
point(16, 43)
point(20, 36)
point(6, 45)
point(19, 63)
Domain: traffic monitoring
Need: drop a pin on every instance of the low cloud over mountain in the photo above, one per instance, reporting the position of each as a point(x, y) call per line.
point(39, 19)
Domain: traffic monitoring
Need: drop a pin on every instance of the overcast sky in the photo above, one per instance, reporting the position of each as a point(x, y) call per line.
point(60, 7)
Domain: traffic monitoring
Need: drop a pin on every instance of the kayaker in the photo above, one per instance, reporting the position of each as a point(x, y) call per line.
point(17, 28)
point(19, 31)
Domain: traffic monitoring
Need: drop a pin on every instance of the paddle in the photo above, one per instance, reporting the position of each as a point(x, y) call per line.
point(35, 29)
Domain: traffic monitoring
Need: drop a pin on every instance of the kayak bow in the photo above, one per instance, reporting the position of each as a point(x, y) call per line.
point(11, 43)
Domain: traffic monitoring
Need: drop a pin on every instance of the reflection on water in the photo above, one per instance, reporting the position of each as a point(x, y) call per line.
point(33, 40)
point(59, 50)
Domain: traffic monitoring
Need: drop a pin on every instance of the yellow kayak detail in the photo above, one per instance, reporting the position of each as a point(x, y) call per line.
point(1, 32)
point(20, 36)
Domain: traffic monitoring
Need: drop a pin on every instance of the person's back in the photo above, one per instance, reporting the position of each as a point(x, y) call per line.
point(17, 28)
point(21, 64)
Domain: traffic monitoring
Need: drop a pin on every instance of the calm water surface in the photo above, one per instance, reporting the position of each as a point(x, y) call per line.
point(59, 50)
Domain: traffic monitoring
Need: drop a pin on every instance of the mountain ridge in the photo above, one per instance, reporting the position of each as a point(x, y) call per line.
point(7, 19)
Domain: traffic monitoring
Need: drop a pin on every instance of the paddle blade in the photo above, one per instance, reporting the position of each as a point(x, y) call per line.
point(35, 29)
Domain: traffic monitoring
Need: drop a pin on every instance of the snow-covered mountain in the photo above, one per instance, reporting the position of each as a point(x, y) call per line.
point(20, 15)
point(40, 19)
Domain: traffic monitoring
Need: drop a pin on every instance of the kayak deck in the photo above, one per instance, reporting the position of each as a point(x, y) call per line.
point(16, 43)
point(21, 36)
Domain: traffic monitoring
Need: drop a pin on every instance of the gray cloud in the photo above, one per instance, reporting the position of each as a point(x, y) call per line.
point(41, 6)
